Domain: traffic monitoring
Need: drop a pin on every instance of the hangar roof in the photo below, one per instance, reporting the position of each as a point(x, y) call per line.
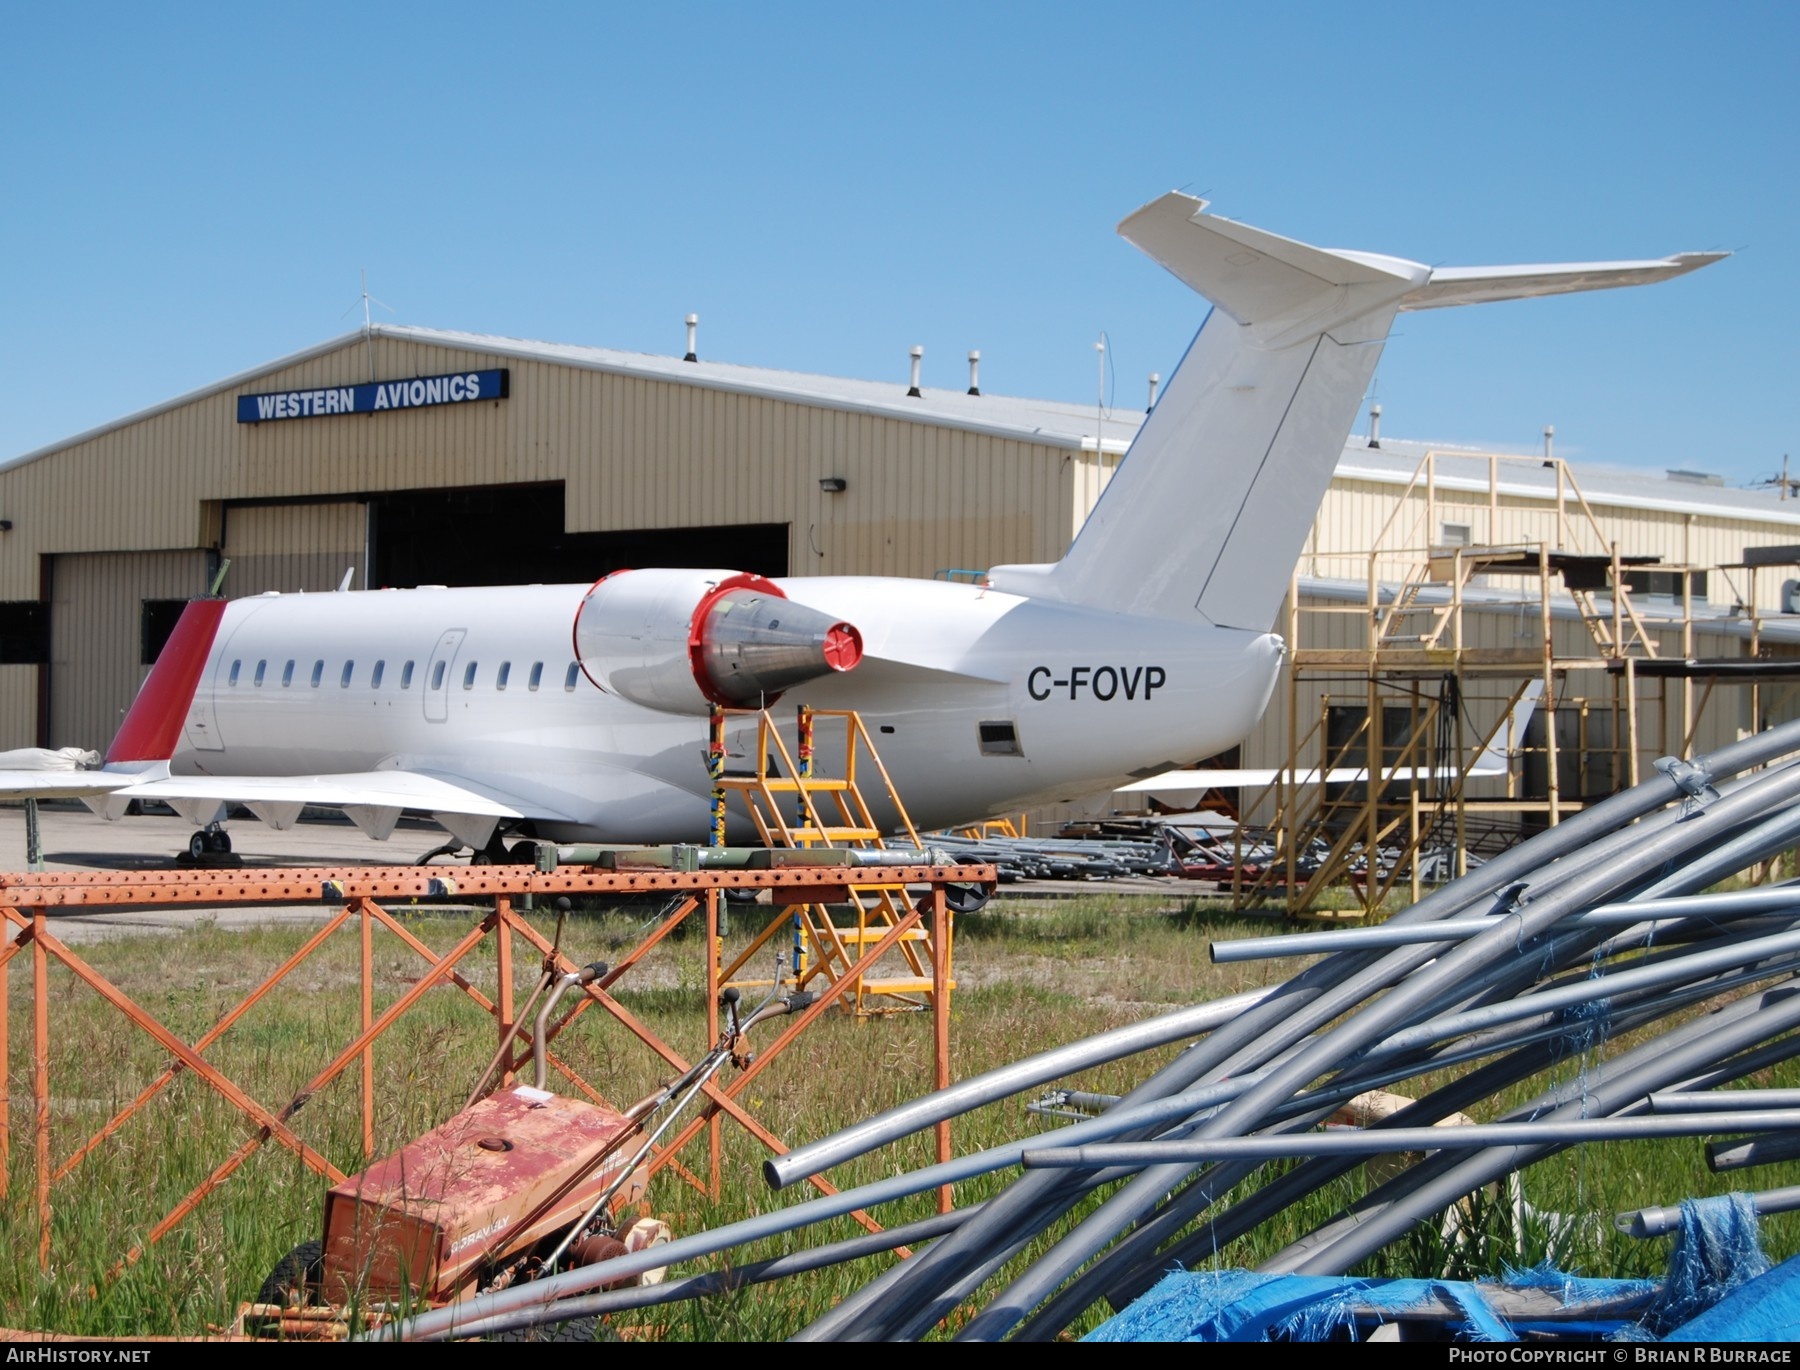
point(1051, 422)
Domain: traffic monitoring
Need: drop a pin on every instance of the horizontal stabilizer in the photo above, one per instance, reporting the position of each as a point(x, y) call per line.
point(1211, 507)
point(1253, 275)
point(1482, 284)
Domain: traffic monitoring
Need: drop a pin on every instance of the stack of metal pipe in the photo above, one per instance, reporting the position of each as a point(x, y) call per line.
point(1596, 928)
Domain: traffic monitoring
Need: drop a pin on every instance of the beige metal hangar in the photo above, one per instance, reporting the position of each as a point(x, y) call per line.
point(407, 456)
point(403, 456)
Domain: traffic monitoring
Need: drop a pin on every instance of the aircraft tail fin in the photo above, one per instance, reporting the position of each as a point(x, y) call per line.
point(1210, 508)
point(153, 725)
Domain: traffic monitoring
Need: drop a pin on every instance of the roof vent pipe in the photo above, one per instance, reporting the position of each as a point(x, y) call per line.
point(1375, 427)
point(1549, 444)
point(913, 390)
point(1155, 380)
point(974, 372)
point(693, 323)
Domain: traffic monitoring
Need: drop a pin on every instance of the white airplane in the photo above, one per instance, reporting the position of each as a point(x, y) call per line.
point(580, 712)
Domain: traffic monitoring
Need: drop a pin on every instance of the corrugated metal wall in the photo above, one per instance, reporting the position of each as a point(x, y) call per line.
point(634, 453)
point(95, 620)
point(18, 706)
point(290, 547)
point(1359, 514)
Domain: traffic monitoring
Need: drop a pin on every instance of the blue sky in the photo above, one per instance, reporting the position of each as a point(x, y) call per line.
point(193, 191)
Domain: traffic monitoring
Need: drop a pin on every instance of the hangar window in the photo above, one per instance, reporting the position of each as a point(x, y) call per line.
point(236, 666)
point(406, 676)
point(998, 739)
point(376, 674)
point(469, 676)
point(318, 673)
point(1666, 584)
point(344, 679)
point(262, 668)
point(502, 675)
point(155, 625)
point(24, 632)
point(437, 676)
point(287, 674)
point(569, 679)
point(537, 675)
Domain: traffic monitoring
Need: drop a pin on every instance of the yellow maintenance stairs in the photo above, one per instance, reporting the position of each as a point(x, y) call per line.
point(793, 805)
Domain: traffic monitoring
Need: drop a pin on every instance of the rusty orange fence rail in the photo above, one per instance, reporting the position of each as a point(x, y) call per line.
point(360, 895)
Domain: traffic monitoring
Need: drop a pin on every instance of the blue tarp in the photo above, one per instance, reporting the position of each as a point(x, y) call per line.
point(1765, 1309)
point(1719, 1288)
point(1242, 1305)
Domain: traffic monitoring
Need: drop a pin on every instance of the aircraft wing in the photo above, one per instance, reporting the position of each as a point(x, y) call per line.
point(373, 800)
point(62, 784)
point(63, 773)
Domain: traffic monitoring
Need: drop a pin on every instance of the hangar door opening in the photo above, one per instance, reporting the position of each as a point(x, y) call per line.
point(513, 535)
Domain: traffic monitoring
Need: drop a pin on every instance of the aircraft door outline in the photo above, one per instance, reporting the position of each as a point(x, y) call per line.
point(201, 730)
point(438, 672)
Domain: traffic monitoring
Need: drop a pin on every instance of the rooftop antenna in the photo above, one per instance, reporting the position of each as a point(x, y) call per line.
point(368, 324)
point(1100, 397)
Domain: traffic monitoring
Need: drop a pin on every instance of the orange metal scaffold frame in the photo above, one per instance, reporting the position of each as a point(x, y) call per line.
point(25, 899)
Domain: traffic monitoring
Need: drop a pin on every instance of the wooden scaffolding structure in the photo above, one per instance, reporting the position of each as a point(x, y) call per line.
point(1378, 791)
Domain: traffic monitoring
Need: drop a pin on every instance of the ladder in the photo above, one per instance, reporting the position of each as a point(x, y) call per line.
point(793, 805)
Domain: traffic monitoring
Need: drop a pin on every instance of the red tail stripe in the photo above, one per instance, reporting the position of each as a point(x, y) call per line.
point(153, 726)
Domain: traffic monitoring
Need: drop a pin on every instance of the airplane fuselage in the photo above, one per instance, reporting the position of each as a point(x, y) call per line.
point(977, 701)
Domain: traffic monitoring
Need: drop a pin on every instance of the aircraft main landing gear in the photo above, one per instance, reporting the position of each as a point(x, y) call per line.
point(209, 846)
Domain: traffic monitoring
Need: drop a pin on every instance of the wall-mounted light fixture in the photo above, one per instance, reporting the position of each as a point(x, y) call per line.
point(834, 485)
point(5, 525)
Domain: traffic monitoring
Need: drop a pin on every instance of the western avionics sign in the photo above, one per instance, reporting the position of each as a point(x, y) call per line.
point(422, 392)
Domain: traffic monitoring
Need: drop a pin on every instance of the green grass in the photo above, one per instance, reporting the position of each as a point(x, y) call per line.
point(1027, 980)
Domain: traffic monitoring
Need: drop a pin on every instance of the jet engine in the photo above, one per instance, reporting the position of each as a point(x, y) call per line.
point(682, 641)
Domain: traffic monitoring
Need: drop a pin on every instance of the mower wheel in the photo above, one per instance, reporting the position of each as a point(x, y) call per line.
point(295, 1279)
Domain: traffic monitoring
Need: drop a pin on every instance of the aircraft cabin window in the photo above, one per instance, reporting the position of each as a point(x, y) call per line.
point(318, 673)
point(406, 676)
point(537, 675)
point(287, 674)
point(502, 675)
point(344, 679)
point(437, 676)
point(469, 676)
point(261, 667)
point(375, 675)
point(569, 679)
point(236, 666)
